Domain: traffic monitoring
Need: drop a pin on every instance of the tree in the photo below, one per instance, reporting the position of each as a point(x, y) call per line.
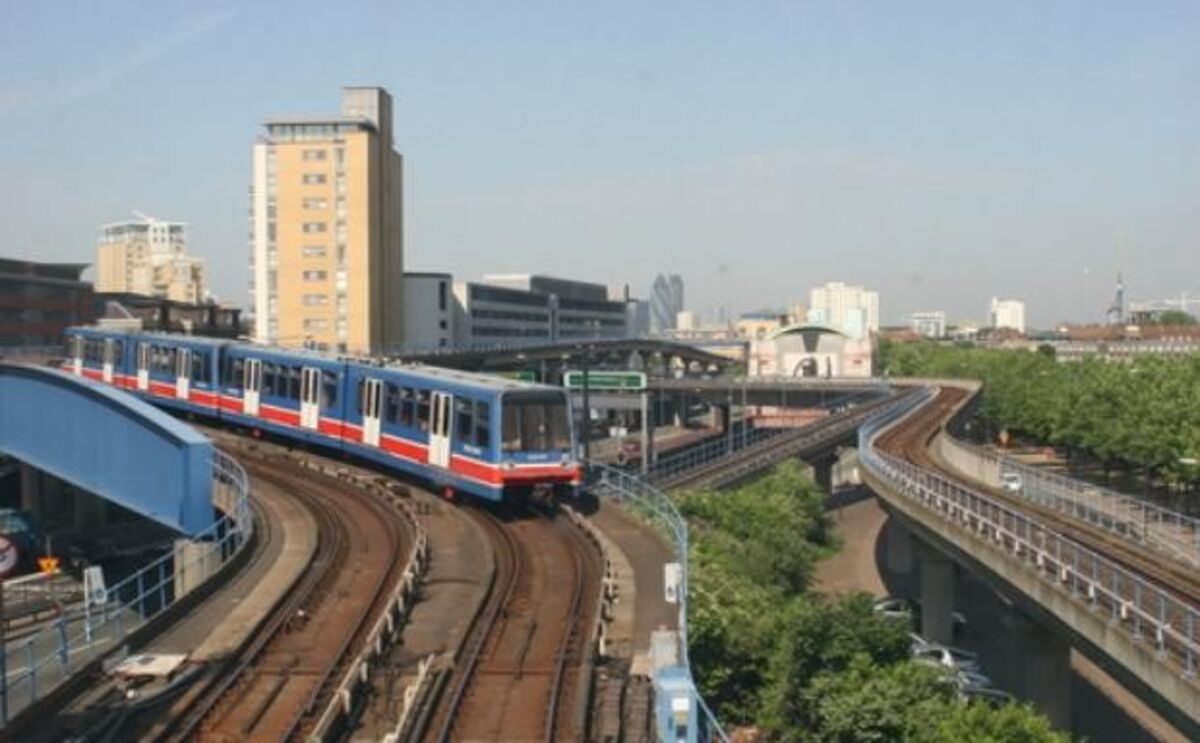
point(1012, 723)
point(825, 637)
point(1175, 317)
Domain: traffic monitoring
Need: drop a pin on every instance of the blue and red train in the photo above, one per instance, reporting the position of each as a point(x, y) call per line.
point(491, 437)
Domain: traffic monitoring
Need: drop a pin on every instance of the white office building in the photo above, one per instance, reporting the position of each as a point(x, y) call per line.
point(516, 309)
point(428, 311)
point(1008, 313)
point(929, 324)
point(852, 310)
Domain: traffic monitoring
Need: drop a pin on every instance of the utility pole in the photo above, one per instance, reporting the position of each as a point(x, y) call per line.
point(587, 409)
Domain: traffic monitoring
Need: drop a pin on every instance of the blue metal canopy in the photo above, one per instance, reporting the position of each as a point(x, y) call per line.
point(109, 443)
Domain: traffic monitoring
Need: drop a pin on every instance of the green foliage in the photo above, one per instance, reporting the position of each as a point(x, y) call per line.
point(1142, 415)
point(767, 652)
point(1013, 723)
point(1175, 317)
point(820, 637)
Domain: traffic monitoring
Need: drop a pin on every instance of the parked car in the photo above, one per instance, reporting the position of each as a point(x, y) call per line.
point(900, 607)
point(952, 658)
point(1011, 481)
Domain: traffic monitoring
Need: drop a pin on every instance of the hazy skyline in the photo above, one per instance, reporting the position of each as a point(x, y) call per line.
point(940, 153)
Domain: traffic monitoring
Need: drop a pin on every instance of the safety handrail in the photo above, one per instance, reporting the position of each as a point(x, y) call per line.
point(660, 511)
point(1140, 609)
point(58, 650)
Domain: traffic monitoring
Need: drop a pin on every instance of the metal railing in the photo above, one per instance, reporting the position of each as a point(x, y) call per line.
point(30, 352)
point(654, 507)
point(1138, 520)
point(37, 662)
point(671, 465)
point(1143, 611)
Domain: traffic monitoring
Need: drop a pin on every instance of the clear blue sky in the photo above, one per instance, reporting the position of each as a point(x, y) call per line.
point(940, 152)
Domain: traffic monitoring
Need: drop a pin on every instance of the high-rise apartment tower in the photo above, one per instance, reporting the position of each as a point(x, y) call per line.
point(148, 256)
point(327, 229)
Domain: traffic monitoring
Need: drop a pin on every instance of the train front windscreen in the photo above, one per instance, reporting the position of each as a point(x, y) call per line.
point(535, 422)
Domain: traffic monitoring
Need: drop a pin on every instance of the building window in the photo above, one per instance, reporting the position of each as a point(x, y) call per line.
point(314, 203)
point(316, 300)
point(311, 227)
point(442, 296)
point(315, 275)
point(312, 179)
point(313, 155)
point(314, 251)
point(316, 325)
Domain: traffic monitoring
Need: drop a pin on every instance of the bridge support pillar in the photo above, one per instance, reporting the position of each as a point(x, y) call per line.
point(1047, 667)
point(937, 596)
point(91, 511)
point(31, 492)
point(823, 472)
point(898, 548)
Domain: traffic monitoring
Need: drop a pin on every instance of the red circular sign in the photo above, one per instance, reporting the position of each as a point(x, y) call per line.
point(10, 557)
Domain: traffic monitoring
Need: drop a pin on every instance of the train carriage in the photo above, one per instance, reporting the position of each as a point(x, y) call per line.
point(290, 393)
point(176, 371)
point(473, 433)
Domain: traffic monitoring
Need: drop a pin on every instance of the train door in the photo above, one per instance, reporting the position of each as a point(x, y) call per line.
point(106, 368)
point(251, 384)
point(372, 402)
point(143, 366)
point(310, 397)
point(77, 354)
point(183, 372)
point(439, 430)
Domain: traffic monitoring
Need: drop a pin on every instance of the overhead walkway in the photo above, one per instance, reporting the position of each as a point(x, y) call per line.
point(107, 443)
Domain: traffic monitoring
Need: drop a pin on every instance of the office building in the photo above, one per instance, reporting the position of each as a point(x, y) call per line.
point(666, 302)
point(852, 310)
point(148, 256)
point(929, 324)
point(528, 309)
point(1007, 313)
point(327, 228)
point(38, 301)
point(428, 311)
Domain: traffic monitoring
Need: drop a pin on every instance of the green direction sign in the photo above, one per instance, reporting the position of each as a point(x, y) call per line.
point(524, 375)
point(606, 380)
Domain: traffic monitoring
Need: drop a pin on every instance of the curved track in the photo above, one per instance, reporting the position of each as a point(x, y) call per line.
point(518, 675)
point(285, 673)
point(911, 440)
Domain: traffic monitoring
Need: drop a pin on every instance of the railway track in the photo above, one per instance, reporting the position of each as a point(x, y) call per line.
point(730, 469)
point(911, 441)
point(521, 673)
point(284, 675)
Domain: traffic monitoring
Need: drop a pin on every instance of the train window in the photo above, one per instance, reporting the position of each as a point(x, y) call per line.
point(535, 424)
point(391, 403)
point(423, 410)
point(463, 425)
point(358, 396)
point(200, 367)
point(293, 374)
point(238, 375)
point(269, 373)
point(118, 352)
point(483, 424)
point(329, 389)
point(408, 405)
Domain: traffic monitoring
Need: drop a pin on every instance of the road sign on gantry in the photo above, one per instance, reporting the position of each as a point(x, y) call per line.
point(605, 381)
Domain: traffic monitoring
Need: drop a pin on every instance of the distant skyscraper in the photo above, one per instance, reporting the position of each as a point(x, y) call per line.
point(1008, 313)
point(929, 324)
point(327, 228)
point(666, 302)
point(148, 256)
point(852, 310)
